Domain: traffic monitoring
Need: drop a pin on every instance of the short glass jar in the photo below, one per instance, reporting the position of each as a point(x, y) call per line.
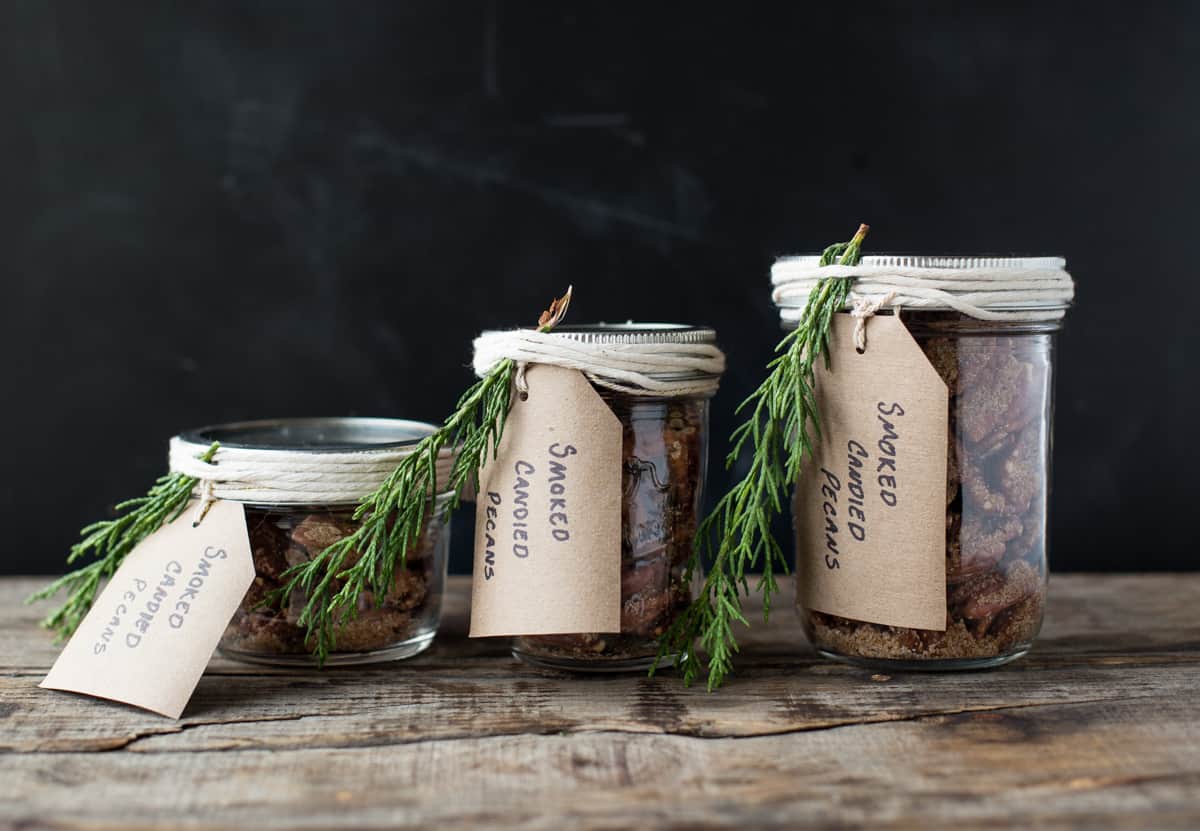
point(284, 533)
point(664, 460)
point(999, 378)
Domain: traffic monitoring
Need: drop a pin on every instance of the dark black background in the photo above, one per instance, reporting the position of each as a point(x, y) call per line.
point(244, 210)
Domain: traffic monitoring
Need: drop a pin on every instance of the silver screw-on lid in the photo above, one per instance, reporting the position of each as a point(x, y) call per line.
point(637, 333)
point(316, 435)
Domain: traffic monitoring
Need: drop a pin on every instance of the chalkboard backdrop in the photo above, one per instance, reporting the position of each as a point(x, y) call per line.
point(215, 212)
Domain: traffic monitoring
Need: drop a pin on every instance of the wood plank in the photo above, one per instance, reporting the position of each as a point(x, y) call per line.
point(356, 709)
point(1100, 764)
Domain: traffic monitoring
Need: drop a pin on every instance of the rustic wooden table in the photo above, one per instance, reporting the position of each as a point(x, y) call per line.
point(1098, 727)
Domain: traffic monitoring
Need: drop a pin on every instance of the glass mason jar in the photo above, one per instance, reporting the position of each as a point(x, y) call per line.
point(664, 460)
point(285, 534)
point(999, 379)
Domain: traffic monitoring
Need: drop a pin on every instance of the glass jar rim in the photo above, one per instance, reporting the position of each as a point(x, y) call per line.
point(436, 501)
point(313, 435)
point(920, 322)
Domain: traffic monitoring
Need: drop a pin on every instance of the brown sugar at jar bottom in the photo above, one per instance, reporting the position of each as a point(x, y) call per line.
point(253, 632)
point(594, 647)
point(277, 632)
point(644, 617)
point(1017, 625)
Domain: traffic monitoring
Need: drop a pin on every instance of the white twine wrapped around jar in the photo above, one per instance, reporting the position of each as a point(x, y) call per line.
point(985, 288)
point(634, 359)
point(291, 477)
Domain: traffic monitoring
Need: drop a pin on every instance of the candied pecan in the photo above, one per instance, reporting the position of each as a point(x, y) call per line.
point(955, 569)
point(316, 532)
point(1020, 622)
point(1021, 471)
point(994, 445)
point(644, 575)
point(996, 592)
point(987, 582)
point(980, 494)
point(408, 591)
point(1017, 477)
point(987, 407)
point(295, 555)
point(984, 540)
point(1022, 409)
point(975, 359)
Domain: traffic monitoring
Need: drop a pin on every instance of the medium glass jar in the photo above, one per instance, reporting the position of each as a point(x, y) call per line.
point(284, 534)
point(664, 459)
point(999, 379)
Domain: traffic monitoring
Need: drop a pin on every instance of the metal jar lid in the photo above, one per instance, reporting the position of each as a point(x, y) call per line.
point(314, 435)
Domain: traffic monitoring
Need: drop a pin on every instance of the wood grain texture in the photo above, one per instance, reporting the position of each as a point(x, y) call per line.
point(1098, 727)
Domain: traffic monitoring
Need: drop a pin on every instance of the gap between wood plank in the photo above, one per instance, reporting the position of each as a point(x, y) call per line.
point(127, 743)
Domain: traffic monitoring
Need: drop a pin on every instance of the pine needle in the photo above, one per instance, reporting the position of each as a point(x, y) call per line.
point(736, 537)
point(391, 519)
point(110, 541)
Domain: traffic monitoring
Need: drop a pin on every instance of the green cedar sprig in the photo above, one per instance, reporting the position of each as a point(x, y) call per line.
point(736, 537)
point(110, 541)
point(390, 519)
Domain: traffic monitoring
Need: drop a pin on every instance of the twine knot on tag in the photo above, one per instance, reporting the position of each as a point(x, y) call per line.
point(206, 501)
point(863, 308)
point(519, 379)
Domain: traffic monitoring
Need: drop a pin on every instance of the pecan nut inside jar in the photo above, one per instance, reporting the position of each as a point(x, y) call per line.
point(398, 625)
point(663, 458)
point(998, 376)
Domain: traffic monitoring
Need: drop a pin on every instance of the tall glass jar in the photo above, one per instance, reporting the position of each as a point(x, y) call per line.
point(664, 459)
point(999, 379)
point(284, 533)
